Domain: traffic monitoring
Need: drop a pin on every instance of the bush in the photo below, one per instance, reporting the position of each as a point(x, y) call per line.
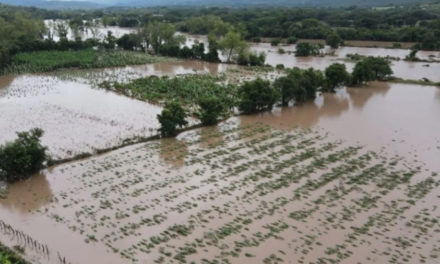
point(291, 40)
point(23, 156)
point(211, 108)
point(256, 96)
point(275, 42)
point(172, 117)
point(304, 49)
point(279, 67)
point(251, 59)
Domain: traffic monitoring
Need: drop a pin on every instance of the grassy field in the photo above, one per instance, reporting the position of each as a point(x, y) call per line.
point(45, 61)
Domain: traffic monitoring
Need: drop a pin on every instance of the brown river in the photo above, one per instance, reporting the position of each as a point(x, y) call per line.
point(108, 208)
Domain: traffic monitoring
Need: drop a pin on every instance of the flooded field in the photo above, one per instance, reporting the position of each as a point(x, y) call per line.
point(98, 31)
point(77, 117)
point(350, 177)
point(401, 68)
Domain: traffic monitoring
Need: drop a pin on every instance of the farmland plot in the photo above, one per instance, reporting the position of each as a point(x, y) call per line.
point(241, 194)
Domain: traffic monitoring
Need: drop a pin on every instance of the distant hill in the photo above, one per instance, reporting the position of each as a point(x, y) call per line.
point(92, 4)
point(241, 3)
point(54, 4)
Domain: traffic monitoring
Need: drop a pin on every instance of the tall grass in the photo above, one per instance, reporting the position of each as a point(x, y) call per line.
point(44, 61)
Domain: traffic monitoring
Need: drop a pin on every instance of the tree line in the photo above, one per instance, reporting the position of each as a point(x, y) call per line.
point(411, 23)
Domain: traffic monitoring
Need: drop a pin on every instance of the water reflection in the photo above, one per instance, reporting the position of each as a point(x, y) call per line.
point(323, 107)
point(361, 95)
point(28, 195)
point(211, 137)
point(173, 151)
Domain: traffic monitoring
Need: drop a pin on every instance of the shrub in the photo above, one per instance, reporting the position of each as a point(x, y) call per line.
point(172, 117)
point(275, 42)
point(279, 67)
point(256, 96)
point(23, 156)
point(251, 59)
point(304, 49)
point(211, 108)
point(291, 40)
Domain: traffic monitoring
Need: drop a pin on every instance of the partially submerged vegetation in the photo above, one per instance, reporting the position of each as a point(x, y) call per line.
point(8, 256)
point(22, 157)
point(187, 89)
point(44, 61)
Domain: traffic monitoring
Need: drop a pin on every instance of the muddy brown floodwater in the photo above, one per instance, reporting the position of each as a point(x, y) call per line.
point(346, 178)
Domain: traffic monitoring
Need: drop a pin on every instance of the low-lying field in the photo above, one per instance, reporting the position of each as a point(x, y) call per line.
point(242, 194)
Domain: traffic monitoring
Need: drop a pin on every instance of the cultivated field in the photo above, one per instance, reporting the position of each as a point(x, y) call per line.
point(247, 194)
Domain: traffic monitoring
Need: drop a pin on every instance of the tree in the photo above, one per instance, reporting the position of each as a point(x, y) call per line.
point(213, 46)
point(362, 73)
point(23, 156)
point(129, 41)
point(256, 96)
point(211, 108)
point(304, 49)
point(380, 67)
point(232, 44)
point(333, 40)
point(109, 41)
point(289, 87)
point(369, 69)
point(299, 85)
point(172, 117)
point(335, 75)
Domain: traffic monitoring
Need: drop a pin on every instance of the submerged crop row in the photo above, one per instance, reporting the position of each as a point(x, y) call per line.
point(222, 195)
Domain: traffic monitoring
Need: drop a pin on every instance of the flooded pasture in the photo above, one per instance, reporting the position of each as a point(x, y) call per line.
point(349, 177)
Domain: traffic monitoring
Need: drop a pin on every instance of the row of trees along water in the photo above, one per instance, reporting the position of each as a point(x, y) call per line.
point(259, 95)
point(414, 23)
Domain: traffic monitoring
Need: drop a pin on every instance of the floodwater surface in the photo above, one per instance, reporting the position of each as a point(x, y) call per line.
point(346, 178)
